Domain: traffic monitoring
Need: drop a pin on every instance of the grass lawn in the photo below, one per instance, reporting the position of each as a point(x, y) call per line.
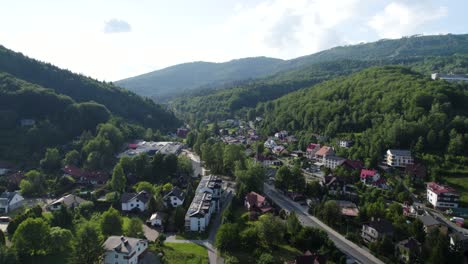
point(190, 253)
point(192, 235)
point(461, 185)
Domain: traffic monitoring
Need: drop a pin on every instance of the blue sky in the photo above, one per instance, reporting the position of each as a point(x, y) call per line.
point(112, 40)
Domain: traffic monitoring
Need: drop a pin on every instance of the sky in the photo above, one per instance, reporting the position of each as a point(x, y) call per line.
point(115, 39)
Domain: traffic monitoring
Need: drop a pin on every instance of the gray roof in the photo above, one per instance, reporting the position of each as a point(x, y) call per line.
point(121, 244)
point(428, 220)
point(142, 196)
point(202, 200)
point(400, 152)
point(69, 200)
point(381, 225)
point(177, 192)
point(8, 195)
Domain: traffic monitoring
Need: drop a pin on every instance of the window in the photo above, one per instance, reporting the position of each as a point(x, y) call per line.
point(131, 205)
point(116, 256)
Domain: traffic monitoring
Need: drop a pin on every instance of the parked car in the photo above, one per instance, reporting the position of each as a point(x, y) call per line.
point(456, 219)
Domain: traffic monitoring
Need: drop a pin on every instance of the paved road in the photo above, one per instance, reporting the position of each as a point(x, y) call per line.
point(346, 246)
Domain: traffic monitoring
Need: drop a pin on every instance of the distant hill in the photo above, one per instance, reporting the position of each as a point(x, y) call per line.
point(174, 81)
point(118, 101)
point(165, 83)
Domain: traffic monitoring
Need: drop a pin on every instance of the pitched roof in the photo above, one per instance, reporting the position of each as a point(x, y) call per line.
point(177, 192)
point(399, 152)
point(121, 244)
point(353, 164)
point(325, 150)
point(255, 199)
point(6, 197)
point(69, 200)
point(142, 196)
point(439, 188)
point(73, 171)
point(381, 225)
point(365, 173)
point(410, 243)
point(417, 169)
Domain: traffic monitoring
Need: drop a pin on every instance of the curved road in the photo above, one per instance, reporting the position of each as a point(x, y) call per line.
point(343, 244)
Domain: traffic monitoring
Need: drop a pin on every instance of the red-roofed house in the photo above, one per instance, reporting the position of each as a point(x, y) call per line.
point(442, 196)
point(81, 176)
point(312, 148)
point(369, 176)
point(323, 152)
point(257, 203)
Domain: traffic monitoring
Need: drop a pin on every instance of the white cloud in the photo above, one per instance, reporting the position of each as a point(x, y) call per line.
point(400, 19)
point(286, 29)
point(117, 26)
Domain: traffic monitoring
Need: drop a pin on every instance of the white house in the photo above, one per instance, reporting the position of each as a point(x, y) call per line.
point(332, 161)
point(345, 143)
point(442, 196)
point(204, 204)
point(69, 201)
point(123, 250)
point(155, 219)
point(10, 201)
point(133, 201)
point(398, 158)
point(270, 143)
point(175, 197)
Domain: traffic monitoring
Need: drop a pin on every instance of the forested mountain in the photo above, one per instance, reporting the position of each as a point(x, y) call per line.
point(380, 108)
point(173, 81)
point(118, 101)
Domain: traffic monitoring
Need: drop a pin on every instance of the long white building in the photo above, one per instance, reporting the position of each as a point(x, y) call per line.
point(204, 204)
point(398, 158)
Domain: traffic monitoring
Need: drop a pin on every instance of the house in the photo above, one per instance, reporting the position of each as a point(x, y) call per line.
point(27, 122)
point(156, 220)
point(459, 241)
point(323, 152)
point(182, 132)
point(175, 197)
point(416, 172)
point(280, 150)
point(413, 210)
point(308, 258)
point(135, 201)
point(398, 158)
point(376, 229)
point(332, 162)
point(312, 148)
point(344, 143)
point(10, 201)
point(408, 250)
point(257, 203)
point(151, 148)
point(352, 165)
point(267, 161)
point(430, 223)
point(70, 201)
point(369, 176)
point(124, 250)
point(270, 144)
point(442, 196)
point(281, 135)
point(204, 204)
point(334, 184)
point(450, 77)
point(297, 154)
point(84, 177)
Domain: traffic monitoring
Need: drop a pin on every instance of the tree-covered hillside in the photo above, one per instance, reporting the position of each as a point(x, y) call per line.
point(177, 80)
point(380, 108)
point(166, 83)
point(82, 89)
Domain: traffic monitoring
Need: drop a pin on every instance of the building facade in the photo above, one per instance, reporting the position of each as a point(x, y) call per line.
point(204, 204)
point(442, 196)
point(398, 158)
